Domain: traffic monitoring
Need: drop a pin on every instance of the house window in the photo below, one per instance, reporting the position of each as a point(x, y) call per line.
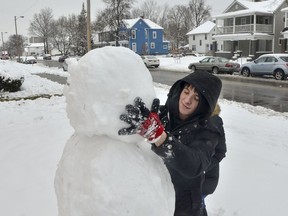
point(230, 22)
point(205, 36)
point(193, 37)
point(152, 45)
point(193, 47)
point(165, 47)
point(154, 34)
point(243, 21)
point(200, 42)
point(133, 34)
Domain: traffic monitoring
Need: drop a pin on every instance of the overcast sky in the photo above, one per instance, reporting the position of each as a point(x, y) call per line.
point(27, 8)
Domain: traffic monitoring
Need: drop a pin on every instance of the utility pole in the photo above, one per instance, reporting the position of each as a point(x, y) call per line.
point(17, 39)
point(3, 48)
point(88, 27)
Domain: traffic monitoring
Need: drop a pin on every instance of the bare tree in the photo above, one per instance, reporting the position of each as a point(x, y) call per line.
point(41, 26)
point(61, 36)
point(149, 10)
point(113, 15)
point(200, 12)
point(176, 31)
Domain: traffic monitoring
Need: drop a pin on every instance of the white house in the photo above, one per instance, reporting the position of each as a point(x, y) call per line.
point(251, 27)
point(34, 49)
point(200, 38)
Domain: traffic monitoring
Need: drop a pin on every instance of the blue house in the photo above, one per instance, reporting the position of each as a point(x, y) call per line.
point(144, 37)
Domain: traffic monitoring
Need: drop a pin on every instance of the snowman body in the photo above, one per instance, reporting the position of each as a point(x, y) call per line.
point(100, 172)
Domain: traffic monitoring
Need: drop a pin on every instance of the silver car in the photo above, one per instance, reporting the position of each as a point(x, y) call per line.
point(215, 65)
point(151, 61)
point(268, 64)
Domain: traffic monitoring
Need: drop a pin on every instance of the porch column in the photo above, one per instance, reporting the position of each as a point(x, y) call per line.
point(234, 25)
point(232, 47)
point(254, 30)
point(253, 48)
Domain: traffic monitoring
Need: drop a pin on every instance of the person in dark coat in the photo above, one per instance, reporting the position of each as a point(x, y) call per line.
point(212, 173)
point(182, 134)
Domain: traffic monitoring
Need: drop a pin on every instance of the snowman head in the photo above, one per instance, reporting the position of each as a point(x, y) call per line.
point(99, 87)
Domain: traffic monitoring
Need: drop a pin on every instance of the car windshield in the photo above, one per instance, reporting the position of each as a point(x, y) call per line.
point(151, 57)
point(284, 58)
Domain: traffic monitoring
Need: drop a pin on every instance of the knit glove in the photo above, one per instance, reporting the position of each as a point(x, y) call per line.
point(142, 121)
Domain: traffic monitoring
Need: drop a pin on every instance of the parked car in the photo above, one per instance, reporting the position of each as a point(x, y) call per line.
point(47, 57)
point(268, 64)
point(215, 65)
point(4, 57)
point(29, 60)
point(151, 61)
point(62, 58)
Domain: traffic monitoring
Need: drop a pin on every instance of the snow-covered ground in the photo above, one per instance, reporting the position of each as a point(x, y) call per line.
point(33, 133)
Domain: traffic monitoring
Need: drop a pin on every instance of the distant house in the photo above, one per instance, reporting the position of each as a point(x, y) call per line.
point(34, 49)
point(284, 32)
point(145, 36)
point(251, 28)
point(200, 38)
point(140, 35)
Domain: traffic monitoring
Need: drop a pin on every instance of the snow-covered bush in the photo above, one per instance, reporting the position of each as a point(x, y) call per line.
point(10, 84)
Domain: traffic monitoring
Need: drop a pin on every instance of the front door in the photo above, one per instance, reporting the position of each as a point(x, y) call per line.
point(134, 47)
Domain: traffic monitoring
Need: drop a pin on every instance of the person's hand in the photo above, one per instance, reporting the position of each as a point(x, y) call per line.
point(143, 121)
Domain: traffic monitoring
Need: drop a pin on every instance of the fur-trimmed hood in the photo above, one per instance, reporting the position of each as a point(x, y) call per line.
point(217, 110)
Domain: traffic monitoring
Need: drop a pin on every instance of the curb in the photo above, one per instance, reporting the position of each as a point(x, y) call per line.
point(238, 78)
point(255, 80)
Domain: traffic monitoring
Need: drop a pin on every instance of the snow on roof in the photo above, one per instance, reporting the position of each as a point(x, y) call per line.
point(266, 7)
point(284, 9)
point(205, 28)
point(131, 22)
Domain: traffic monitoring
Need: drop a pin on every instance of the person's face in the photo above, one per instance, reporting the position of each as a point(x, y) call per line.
point(188, 101)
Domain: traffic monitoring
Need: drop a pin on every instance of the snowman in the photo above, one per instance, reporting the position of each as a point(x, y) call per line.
point(101, 173)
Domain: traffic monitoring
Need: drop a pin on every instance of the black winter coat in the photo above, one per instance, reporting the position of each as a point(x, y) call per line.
point(190, 144)
point(212, 173)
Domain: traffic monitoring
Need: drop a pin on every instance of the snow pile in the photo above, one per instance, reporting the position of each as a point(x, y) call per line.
point(100, 172)
point(33, 85)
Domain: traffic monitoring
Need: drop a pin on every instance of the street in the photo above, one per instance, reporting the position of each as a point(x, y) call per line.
point(268, 93)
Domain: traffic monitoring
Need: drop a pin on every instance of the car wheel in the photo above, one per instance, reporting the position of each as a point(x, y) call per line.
point(215, 70)
point(245, 72)
point(193, 68)
point(279, 74)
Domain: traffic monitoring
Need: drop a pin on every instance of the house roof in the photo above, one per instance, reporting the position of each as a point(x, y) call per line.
point(264, 7)
point(205, 28)
point(131, 22)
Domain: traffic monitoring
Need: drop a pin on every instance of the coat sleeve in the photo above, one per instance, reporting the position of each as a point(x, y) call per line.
point(221, 148)
point(189, 159)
